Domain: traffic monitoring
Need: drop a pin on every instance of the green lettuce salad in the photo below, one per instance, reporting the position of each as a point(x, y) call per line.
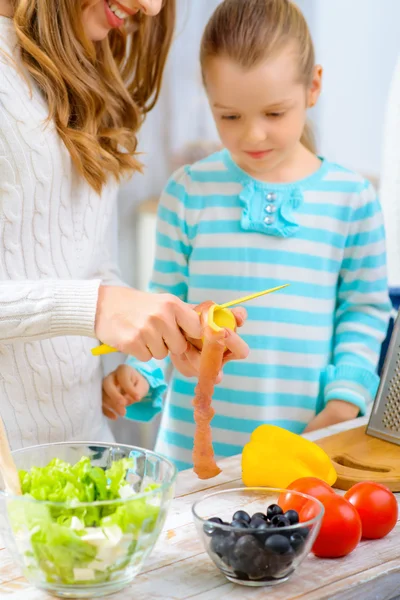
point(70, 544)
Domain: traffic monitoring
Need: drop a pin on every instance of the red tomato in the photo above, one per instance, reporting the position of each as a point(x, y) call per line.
point(309, 510)
point(307, 485)
point(377, 507)
point(340, 530)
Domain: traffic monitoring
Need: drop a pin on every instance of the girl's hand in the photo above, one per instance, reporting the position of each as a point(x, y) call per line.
point(188, 363)
point(144, 325)
point(336, 411)
point(121, 388)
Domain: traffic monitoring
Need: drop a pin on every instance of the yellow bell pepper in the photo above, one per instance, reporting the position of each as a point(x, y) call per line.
point(275, 457)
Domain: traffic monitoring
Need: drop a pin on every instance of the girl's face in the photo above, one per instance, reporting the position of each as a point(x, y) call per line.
point(100, 16)
point(260, 112)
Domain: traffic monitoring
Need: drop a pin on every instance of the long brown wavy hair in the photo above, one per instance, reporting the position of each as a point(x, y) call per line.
point(249, 31)
point(98, 93)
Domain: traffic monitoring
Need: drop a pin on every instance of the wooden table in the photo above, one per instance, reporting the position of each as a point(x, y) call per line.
point(179, 569)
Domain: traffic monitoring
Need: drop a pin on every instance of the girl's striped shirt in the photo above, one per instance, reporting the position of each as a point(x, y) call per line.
point(222, 234)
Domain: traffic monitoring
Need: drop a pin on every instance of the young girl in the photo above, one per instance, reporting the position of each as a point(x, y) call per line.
point(77, 78)
point(263, 212)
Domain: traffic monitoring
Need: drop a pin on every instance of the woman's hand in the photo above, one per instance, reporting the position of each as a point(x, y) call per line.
point(145, 325)
point(188, 363)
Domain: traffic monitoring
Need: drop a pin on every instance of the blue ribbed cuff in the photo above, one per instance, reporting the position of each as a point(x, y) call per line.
point(151, 405)
point(351, 383)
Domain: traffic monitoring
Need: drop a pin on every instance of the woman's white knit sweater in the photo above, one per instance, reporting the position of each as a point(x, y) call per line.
point(54, 233)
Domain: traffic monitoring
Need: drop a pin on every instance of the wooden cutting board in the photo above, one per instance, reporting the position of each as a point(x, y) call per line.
point(357, 456)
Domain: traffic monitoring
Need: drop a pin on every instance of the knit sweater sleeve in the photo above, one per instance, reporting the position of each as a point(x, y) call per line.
point(34, 310)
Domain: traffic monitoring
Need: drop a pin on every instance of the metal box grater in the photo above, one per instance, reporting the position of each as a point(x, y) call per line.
point(384, 422)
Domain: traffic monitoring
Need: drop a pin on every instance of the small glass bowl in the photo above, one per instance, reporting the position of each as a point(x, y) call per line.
point(251, 556)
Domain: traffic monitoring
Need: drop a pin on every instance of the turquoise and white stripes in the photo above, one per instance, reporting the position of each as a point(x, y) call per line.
point(315, 341)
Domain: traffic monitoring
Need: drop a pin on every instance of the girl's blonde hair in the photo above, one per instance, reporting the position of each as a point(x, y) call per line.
point(97, 93)
point(248, 31)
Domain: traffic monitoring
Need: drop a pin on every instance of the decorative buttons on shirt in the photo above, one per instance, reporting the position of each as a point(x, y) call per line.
point(269, 220)
point(270, 209)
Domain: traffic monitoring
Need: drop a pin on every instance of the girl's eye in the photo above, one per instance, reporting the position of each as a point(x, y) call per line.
point(230, 117)
point(275, 115)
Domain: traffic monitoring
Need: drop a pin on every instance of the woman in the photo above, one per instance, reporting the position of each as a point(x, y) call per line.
point(76, 80)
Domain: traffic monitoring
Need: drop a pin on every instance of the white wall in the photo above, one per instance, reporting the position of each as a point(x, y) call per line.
point(357, 42)
point(390, 180)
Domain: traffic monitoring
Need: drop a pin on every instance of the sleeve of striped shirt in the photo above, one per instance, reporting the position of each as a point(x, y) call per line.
point(363, 308)
point(170, 275)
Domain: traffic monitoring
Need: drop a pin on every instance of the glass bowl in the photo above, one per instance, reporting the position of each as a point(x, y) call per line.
point(256, 555)
point(88, 549)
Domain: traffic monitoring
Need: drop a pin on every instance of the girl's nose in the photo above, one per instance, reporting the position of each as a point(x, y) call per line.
point(255, 134)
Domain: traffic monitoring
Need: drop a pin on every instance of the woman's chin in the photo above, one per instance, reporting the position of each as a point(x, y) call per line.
point(98, 33)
